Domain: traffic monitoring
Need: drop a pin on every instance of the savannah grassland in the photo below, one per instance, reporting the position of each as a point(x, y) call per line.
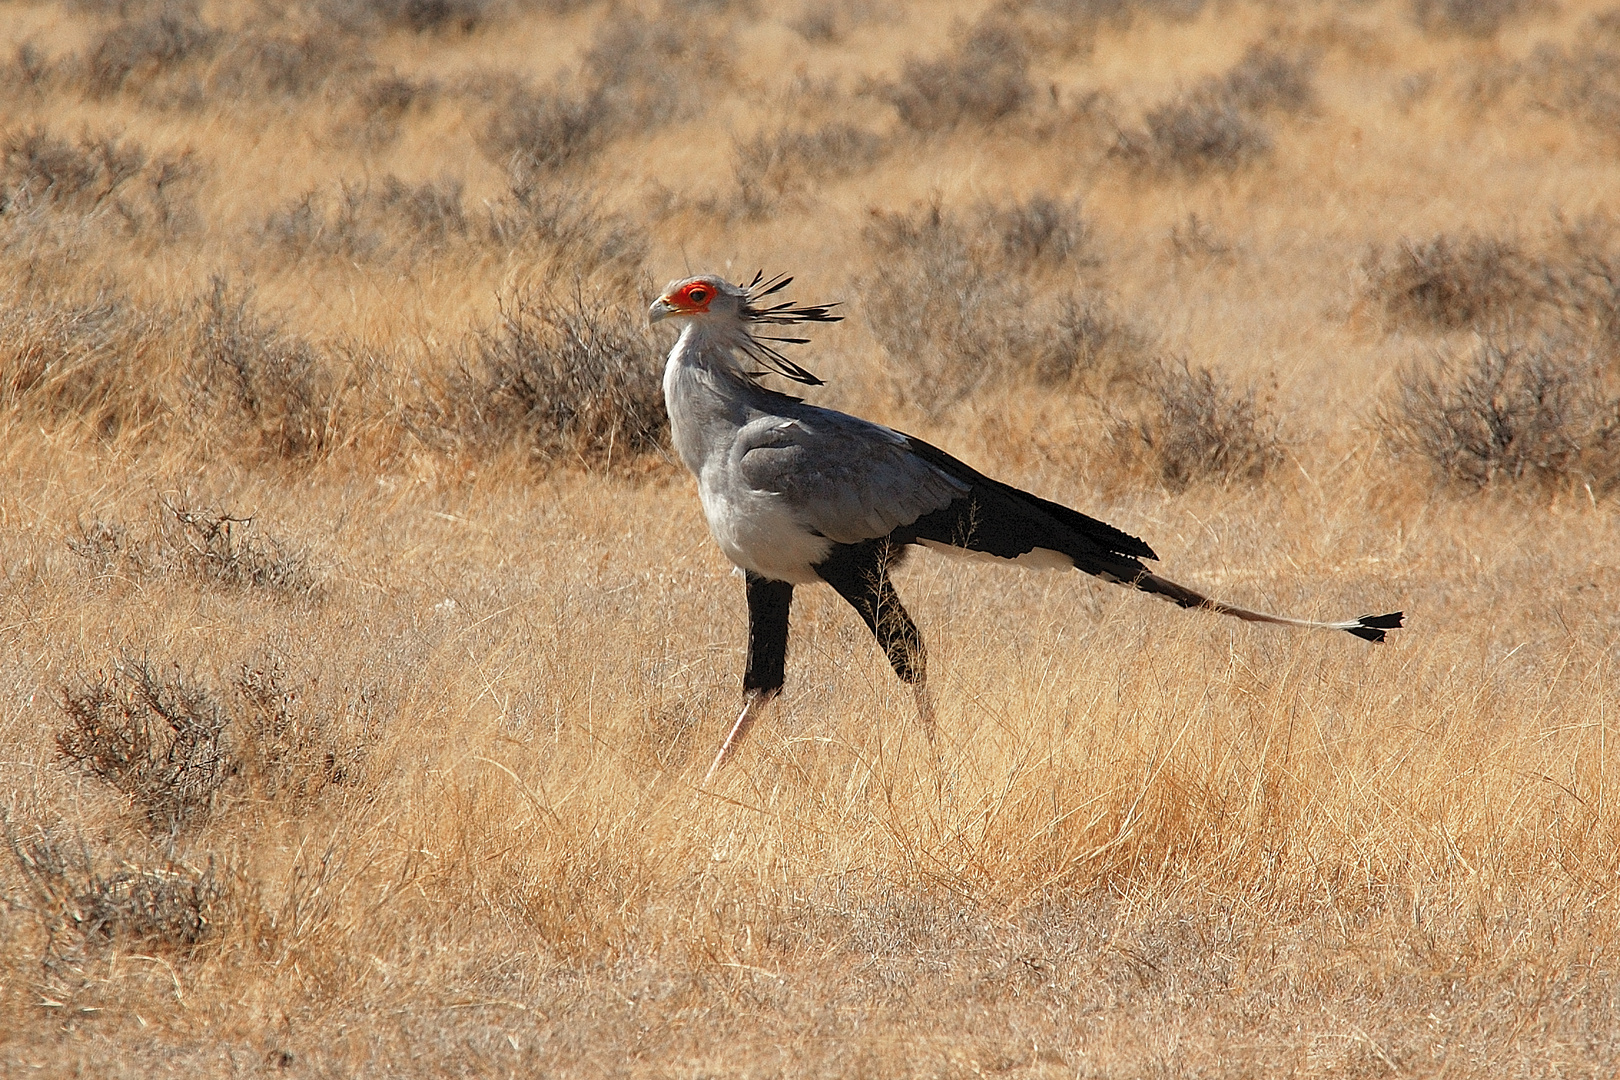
point(361, 646)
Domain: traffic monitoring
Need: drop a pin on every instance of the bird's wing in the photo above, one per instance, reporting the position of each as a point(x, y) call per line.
point(846, 478)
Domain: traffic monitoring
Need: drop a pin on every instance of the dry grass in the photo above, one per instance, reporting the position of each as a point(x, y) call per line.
point(360, 646)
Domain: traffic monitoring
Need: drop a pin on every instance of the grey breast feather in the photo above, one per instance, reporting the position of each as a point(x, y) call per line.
point(846, 478)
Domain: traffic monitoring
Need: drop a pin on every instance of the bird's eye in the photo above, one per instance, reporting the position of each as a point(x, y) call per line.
point(697, 296)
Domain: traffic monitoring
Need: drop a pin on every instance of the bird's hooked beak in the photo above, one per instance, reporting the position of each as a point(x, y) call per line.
point(661, 310)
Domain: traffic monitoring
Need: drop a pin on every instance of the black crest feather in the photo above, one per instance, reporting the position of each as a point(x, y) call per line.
point(781, 313)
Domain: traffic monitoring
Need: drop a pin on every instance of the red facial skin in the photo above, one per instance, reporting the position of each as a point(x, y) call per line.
point(692, 298)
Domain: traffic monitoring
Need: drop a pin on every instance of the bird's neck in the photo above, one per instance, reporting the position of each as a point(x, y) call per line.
point(707, 393)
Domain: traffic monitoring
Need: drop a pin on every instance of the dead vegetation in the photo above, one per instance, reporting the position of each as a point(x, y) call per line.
point(570, 374)
point(208, 545)
point(158, 737)
point(100, 178)
point(993, 312)
point(1195, 427)
point(637, 73)
point(1472, 18)
point(1219, 124)
point(88, 906)
point(1449, 283)
point(983, 79)
point(88, 361)
point(1543, 412)
point(781, 163)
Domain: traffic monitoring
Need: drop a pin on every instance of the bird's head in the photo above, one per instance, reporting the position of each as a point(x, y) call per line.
point(733, 311)
point(696, 297)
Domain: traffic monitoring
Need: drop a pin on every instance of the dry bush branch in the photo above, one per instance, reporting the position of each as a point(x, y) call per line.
point(960, 304)
point(137, 50)
point(638, 73)
point(294, 746)
point(540, 131)
point(420, 16)
point(571, 228)
point(571, 373)
point(100, 178)
point(388, 220)
point(159, 737)
point(982, 80)
point(1473, 18)
point(1195, 427)
point(1447, 283)
point(85, 907)
point(207, 545)
point(1218, 124)
point(782, 162)
point(1544, 412)
point(256, 379)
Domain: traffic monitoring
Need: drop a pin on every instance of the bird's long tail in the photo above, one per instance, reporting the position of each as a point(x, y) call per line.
point(1368, 627)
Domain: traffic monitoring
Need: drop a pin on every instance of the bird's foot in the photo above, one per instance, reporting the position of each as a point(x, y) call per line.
point(753, 702)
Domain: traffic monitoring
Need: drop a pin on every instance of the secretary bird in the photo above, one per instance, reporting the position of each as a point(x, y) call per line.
point(796, 494)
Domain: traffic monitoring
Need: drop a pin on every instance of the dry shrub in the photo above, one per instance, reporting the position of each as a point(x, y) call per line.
point(1040, 231)
point(781, 162)
point(821, 22)
point(207, 545)
point(1472, 18)
point(370, 221)
point(1194, 238)
point(383, 104)
point(1546, 412)
point(171, 743)
point(1582, 283)
point(308, 225)
point(1194, 135)
point(260, 380)
point(102, 177)
point(289, 747)
point(1091, 347)
point(278, 65)
point(948, 321)
point(571, 226)
point(571, 372)
point(214, 371)
point(638, 73)
point(1448, 283)
point(1266, 80)
point(1095, 11)
point(545, 130)
point(86, 906)
point(92, 362)
point(170, 58)
point(136, 50)
point(27, 71)
point(1219, 123)
point(982, 79)
point(1581, 80)
point(962, 303)
point(421, 16)
point(660, 67)
point(156, 736)
point(1193, 426)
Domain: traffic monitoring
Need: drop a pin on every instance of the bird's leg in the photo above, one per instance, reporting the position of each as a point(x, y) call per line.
point(925, 707)
point(754, 702)
point(766, 667)
point(860, 574)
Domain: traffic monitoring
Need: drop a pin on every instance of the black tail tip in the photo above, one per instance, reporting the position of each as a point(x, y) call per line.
point(1373, 627)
